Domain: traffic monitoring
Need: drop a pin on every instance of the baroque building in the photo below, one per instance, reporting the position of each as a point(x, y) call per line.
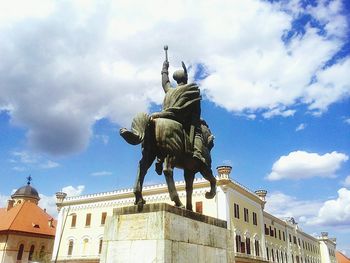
point(257, 235)
point(26, 231)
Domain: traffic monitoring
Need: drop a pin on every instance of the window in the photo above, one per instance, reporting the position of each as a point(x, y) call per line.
point(271, 232)
point(199, 207)
point(242, 247)
point(42, 252)
point(294, 240)
point(238, 243)
point(236, 211)
point(70, 247)
point(279, 234)
point(255, 220)
point(20, 252)
point(275, 233)
point(299, 241)
point(256, 245)
point(290, 238)
point(246, 215)
point(266, 230)
point(88, 220)
point(100, 246)
point(74, 220)
point(247, 241)
point(85, 245)
point(103, 218)
point(284, 236)
point(31, 252)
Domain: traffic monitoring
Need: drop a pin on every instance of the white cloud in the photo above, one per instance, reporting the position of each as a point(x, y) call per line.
point(346, 182)
point(283, 206)
point(347, 121)
point(49, 164)
point(334, 212)
point(301, 164)
point(3, 200)
point(300, 127)
point(104, 138)
point(49, 202)
point(84, 61)
point(101, 173)
point(29, 160)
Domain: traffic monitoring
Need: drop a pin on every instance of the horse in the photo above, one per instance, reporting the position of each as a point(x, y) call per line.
point(167, 141)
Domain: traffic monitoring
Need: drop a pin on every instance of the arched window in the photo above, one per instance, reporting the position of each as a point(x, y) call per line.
point(238, 243)
point(256, 245)
point(247, 241)
point(42, 252)
point(100, 246)
point(31, 252)
point(20, 252)
point(70, 247)
point(85, 245)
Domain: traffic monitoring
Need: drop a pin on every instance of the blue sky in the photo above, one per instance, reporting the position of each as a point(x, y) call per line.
point(274, 78)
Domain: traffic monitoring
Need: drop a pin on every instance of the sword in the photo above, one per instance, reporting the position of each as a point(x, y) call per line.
point(166, 52)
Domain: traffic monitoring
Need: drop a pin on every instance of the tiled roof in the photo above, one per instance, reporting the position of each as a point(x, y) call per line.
point(341, 258)
point(27, 217)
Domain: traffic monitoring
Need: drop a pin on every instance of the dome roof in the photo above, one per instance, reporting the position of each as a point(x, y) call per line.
point(26, 191)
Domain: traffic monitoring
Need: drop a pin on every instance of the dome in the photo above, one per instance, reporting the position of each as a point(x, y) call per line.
point(26, 191)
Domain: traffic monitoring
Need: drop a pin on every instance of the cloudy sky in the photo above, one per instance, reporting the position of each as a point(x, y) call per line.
point(274, 76)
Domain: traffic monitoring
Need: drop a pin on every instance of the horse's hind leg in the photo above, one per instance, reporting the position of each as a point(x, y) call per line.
point(189, 177)
point(145, 162)
point(207, 173)
point(169, 177)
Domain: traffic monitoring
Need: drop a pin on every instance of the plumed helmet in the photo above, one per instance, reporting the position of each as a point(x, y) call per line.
point(180, 75)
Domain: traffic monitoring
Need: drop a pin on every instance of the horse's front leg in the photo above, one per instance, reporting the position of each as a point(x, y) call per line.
point(189, 177)
point(207, 173)
point(169, 177)
point(145, 162)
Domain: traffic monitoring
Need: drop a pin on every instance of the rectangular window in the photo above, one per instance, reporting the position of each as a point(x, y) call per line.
point(279, 234)
point(88, 220)
point(275, 233)
point(74, 220)
point(103, 218)
point(290, 238)
point(294, 240)
point(199, 207)
point(271, 232)
point(246, 215)
point(266, 230)
point(284, 236)
point(255, 219)
point(236, 210)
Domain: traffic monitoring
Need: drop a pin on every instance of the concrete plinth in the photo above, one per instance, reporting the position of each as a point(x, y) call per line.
point(163, 233)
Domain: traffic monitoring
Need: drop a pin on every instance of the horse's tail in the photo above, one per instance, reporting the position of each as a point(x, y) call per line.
point(138, 127)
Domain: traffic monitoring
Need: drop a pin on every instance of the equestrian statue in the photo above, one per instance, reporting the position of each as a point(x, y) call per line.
point(175, 137)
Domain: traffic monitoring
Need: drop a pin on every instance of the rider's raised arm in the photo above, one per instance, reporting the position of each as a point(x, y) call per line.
point(165, 77)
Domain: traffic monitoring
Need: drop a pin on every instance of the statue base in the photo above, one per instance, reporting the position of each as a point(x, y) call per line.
point(164, 233)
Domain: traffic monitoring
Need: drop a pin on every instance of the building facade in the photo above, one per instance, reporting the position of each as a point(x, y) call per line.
point(258, 235)
point(26, 231)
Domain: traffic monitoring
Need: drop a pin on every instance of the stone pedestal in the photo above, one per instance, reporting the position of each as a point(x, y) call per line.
point(163, 233)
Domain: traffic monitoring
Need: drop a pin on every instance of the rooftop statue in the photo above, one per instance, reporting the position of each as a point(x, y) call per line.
point(174, 137)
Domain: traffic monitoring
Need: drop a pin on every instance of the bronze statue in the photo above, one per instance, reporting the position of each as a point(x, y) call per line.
point(176, 137)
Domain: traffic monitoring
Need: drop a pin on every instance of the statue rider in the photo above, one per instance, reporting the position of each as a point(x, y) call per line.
point(182, 104)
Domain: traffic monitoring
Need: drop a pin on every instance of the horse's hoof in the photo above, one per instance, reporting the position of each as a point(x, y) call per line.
point(210, 195)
